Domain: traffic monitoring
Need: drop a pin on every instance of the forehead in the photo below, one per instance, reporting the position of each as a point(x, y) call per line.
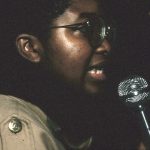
point(84, 6)
point(78, 10)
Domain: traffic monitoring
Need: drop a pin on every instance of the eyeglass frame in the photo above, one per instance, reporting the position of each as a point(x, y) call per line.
point(104, 30)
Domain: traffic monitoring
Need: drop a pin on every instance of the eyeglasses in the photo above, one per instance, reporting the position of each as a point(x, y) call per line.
point(93, 28)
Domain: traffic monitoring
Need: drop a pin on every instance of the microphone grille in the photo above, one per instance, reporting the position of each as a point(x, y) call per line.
point(133, 89)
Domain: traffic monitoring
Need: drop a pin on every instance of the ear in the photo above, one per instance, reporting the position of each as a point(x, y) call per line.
point(30, 47)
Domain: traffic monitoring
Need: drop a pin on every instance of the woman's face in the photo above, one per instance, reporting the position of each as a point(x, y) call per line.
point(74, 57)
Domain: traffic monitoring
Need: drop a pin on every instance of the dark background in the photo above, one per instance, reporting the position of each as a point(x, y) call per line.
point(119, 129)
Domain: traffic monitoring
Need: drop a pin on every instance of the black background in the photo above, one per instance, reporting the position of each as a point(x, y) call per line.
point(119, 130)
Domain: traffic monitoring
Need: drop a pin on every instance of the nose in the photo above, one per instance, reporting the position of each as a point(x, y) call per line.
point(104, 47)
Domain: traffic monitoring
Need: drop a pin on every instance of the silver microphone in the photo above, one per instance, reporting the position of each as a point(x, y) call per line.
point(134, 91)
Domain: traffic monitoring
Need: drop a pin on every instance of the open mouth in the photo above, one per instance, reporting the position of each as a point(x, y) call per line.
point(97, 72)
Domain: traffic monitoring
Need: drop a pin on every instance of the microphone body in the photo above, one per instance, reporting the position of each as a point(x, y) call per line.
point(134, 92)
point(145, 126)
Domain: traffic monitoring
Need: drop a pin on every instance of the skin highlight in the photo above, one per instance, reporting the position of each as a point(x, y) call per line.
point(71, 52)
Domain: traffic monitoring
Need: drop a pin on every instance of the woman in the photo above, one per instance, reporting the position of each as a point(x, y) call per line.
point(70, 41)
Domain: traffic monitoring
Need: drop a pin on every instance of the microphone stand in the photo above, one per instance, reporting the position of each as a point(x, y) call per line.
point(145, 127)
point(135, 92)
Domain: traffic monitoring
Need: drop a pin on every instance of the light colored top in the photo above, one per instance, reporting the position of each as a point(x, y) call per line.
point(23, 126)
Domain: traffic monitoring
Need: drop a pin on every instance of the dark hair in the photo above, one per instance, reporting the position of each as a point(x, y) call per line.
point(32, 16)
point(23, 16)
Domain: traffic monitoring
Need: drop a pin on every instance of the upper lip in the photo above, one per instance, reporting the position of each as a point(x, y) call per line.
point(100, 61)
point(98, 65)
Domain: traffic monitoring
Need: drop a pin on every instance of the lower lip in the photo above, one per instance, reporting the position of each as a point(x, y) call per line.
point(97, 74)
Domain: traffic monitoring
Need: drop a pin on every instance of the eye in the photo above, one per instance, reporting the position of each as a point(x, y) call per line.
point(82, 27)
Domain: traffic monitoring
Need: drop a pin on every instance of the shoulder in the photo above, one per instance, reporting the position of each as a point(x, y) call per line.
point(10, 105)
point(24, 126)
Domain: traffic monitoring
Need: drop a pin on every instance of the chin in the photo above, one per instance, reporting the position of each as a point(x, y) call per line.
point(95, 90)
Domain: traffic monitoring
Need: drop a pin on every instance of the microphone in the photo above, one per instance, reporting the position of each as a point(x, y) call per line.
point(134, 92)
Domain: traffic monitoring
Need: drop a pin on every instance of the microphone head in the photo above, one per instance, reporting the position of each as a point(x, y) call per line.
point(134, 90)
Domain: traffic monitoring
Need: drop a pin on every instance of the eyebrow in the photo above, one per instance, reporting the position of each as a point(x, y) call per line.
point(70, 25)
point(89, 15)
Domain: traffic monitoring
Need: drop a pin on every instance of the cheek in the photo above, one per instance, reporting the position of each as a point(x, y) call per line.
point(70, 55)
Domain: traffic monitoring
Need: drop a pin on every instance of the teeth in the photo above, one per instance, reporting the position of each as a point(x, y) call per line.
point(99, 71)
point(92, 71)
point(95, 71)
